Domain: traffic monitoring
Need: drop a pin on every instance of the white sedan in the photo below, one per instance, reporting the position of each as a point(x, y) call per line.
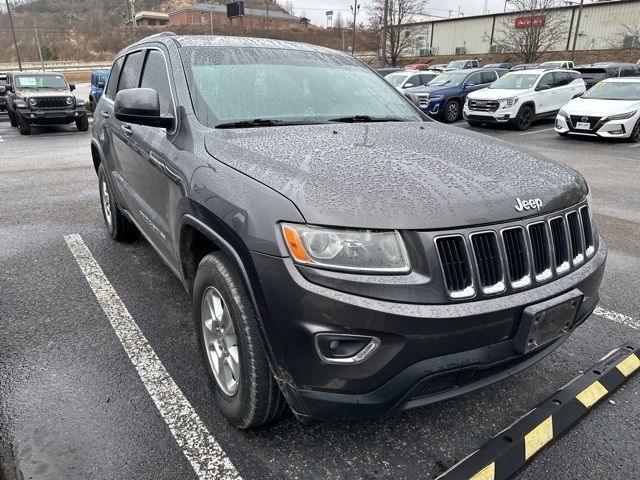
point(610, 109)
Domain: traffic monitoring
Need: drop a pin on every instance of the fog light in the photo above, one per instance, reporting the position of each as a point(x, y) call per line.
point(345, 349)
point(506, 117)
point(620, 131)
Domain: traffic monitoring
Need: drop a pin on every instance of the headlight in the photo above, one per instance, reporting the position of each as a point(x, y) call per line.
point(20, 103)
point(622, 116)
point(436, 97)
point(350, 250)
point(33, 102)
point(69, 101)
point(509, 102)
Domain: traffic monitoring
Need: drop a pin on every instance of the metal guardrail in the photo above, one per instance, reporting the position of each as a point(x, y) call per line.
point(59, 66)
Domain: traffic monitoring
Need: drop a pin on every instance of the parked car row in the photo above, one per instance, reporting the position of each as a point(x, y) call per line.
point(38, 98)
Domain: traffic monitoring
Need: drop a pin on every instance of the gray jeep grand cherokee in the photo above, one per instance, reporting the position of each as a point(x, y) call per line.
point(337, 265)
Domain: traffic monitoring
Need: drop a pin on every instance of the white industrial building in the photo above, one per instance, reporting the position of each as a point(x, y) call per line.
point(600, 24)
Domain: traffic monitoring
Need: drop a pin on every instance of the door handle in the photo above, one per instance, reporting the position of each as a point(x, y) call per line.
point(104, 114)
point(127, 129)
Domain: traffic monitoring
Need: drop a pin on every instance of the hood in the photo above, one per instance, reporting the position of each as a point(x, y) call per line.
point(600, 108)
point(43, 92)
point(418, 175)
point(433, 89)
point(495, 94)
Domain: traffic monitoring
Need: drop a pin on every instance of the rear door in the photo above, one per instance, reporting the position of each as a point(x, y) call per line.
point(566, 88)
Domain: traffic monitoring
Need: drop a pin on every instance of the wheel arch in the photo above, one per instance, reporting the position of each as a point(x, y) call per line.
point(528, 103)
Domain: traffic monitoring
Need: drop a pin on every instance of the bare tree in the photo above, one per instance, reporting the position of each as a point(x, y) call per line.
point(287, 7)
point(338, 22)
point(536, 29)
point(627, 37)
point(401, 30)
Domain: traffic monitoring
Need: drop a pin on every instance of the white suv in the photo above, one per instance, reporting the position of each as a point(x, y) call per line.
point(519, 98)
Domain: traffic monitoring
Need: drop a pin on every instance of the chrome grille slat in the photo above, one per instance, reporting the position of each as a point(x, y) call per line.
point(521, 254)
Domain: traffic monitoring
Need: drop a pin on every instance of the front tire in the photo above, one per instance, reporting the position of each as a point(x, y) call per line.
point(635, 133)
point(524, 119)
point(24, 127)
point(243, 385)
point(83, 123)
point(12, 119)
point(118, 226)
point(451, 111)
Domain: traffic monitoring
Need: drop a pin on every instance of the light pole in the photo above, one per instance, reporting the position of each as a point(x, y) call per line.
point(385, 20)
point(575, 35)
point(13, 32)
point(355, 8)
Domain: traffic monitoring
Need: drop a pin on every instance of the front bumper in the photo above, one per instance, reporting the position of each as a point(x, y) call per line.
point(427, 353)
point(500, 116)
point(612, 129)
point(52, 116)
point(433, 108)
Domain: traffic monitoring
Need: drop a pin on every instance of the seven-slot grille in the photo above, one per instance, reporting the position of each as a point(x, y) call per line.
point(515, 255)
point(51, 102)
point(483, 105)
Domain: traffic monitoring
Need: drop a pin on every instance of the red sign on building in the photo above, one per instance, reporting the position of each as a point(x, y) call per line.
point(532, 21)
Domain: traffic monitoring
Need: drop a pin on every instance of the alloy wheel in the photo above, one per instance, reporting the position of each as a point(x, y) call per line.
point(220, 340)
point(106, 203)
point(453, 110)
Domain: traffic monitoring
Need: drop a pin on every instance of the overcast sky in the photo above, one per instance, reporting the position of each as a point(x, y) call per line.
point(316, 10)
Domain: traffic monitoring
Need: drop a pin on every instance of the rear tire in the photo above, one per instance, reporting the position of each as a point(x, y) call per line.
point(83, 123)
point(12, 119)
point(524, 119)
point(451, 111)
point(24, 127)
point(118, 226)
point(246, 394)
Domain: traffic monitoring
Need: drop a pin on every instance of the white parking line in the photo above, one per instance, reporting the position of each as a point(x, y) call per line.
point(536, 131)
point(206, 456)
point(617, 317)
point(1, 139)
point(634, 146)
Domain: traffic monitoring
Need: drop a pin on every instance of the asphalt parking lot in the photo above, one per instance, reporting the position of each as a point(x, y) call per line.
point(75, 404)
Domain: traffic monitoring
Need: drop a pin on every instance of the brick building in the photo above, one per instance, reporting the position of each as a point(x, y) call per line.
point(216, 15)
point(151, 19)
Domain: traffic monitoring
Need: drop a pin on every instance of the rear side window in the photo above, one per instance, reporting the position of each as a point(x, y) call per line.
point(112, 85)
point(489, 77)
point(562, 79)
point(130, 76)
point(155, 76)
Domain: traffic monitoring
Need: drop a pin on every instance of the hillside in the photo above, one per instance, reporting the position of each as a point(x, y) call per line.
point(88, 30)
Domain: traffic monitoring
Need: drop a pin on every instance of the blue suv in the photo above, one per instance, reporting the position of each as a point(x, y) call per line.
point(98, 81)
point(444, 96)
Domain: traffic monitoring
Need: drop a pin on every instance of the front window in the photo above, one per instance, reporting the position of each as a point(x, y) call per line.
point(456, 64)
point(236, 84)
point(614, 91)
point(453, 79)
point(514, 82)
point(396, 80)
point(41, 81)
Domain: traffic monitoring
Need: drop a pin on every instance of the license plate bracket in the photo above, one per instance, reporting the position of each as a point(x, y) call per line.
point(583, 126)
point(547, 321)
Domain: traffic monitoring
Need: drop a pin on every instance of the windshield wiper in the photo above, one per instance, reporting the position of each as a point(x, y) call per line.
point(265, 122)
point(366, 119)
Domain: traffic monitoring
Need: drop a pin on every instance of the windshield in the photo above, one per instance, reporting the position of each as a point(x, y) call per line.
point(456, 64)
point(614, 91)
point(510, 81)
point(230, 84)
point(396, 80)
point(453, 79)
point(41, 81)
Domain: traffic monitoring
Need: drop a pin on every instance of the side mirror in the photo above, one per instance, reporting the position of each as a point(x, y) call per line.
point(72, 86)
point(100, 84)
point(140, 106)
point(3, 89)
point(543, 87)
point(407, 85)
